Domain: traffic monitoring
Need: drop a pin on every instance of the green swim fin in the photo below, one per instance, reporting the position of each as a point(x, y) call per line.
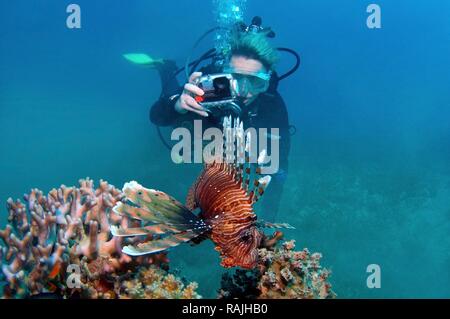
point(142, 59)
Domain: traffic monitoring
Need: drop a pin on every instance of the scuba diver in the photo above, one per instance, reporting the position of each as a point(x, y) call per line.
point(250, 62)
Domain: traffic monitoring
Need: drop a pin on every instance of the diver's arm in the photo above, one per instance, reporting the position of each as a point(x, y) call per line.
point(285, 141)
point(176, 101)
point(163, 113)
point(277, 117)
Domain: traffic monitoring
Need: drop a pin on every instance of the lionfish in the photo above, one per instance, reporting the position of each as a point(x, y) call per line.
point(219, 206)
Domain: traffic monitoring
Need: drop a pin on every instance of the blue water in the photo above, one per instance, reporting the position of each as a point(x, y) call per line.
point(369, 178)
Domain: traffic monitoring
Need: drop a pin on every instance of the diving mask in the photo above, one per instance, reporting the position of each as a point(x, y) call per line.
point(250, 82)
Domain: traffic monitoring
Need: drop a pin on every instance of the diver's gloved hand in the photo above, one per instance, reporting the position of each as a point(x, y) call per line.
point(186, 102)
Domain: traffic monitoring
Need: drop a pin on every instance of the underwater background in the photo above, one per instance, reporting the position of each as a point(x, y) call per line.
point(369, 179)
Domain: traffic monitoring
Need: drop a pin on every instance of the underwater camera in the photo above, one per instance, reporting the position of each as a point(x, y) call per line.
point(220, 93)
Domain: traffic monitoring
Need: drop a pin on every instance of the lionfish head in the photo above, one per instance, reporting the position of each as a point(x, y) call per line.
point(243, 252)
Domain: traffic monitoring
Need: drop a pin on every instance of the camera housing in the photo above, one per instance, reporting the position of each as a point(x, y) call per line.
point(219, 89)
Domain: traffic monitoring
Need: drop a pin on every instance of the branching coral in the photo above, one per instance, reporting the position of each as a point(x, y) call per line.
point(155, 283)
point(293, 274)
point(69, 226)
point(282, 274)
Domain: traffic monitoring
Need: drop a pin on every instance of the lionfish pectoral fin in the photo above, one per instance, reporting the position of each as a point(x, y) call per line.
point(158, 229)
point(133, 212)
point(265, 224)
point(156, 246)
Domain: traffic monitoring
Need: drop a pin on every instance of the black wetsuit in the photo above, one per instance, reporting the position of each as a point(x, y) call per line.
point(268, 111)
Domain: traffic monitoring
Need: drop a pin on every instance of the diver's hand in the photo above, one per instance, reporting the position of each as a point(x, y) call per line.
point(186, 102)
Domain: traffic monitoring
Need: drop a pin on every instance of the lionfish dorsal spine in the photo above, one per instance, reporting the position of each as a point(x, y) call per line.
point(245, 167)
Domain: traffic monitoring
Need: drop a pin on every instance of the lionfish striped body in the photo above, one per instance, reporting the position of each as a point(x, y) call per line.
point(228, 209)
point(224, 195)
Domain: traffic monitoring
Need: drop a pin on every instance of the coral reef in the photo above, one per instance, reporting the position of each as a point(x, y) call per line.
point(70, 226)
point(156, 283)
point(282, 273)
